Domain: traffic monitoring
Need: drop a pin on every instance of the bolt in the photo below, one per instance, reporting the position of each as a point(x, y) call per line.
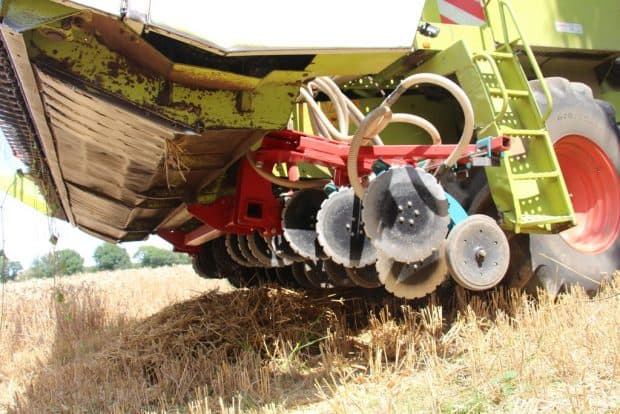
point(400, 208)
point(409, 204)
point(348, 226)
point(480, 255)
point(416, 212)
point(401, 219)
point(411, 222)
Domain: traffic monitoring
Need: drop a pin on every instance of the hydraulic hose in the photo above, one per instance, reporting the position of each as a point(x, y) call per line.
point(283, 182)
point(374, 120)
point(380, 117)
point(459, 95)
point(372, 125)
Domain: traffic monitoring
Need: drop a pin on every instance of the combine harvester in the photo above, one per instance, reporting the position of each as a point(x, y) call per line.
point(329, 144)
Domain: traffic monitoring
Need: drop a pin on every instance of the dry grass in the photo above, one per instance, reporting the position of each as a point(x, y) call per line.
point(153, 340)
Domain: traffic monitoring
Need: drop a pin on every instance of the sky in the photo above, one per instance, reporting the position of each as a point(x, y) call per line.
point(25, 233)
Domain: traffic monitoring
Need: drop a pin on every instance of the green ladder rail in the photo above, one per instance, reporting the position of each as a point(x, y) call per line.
point(528, 187)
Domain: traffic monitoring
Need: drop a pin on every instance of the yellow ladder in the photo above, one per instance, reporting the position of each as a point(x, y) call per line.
point(528, 187)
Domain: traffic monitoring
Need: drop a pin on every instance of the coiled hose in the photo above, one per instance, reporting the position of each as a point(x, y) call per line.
point(380, 117)
point(369, 127)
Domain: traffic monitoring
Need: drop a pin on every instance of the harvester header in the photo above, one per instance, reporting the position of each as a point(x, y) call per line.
point(331, 146)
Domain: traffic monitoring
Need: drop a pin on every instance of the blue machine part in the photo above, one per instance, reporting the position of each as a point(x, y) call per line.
point(456, 211)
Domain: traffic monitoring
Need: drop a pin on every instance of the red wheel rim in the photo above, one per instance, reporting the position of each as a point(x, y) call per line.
point(594, 187)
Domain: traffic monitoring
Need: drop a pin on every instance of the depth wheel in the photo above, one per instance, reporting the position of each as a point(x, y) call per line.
point(586, 142)
point(477, 253)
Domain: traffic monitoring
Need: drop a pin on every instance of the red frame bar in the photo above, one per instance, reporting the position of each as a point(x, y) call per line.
point(294, 147)
point(189, 242)
point(254, 206)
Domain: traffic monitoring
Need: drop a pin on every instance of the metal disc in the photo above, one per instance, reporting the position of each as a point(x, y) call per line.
point(280, 246)
point(237, 275)
point(258, 277)
point(413, 280)
point(248, 256)
point(204, 263)
point(270, 274)
point(299, 223)
point(261, 250)
point(340, 230)
point(285, 277)
point(406, 213)
point(315, 272)
point(337, 274)
point(299, 273)
point(477, 253)
point(234, 251)
point(366, 277)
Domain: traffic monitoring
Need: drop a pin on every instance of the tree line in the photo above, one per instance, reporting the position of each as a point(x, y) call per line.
point(107, 256)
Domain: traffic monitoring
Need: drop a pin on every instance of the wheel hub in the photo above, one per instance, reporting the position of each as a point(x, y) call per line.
point(594, 186)
point(477, 253)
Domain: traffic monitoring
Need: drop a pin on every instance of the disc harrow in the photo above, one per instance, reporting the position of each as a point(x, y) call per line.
point(383, 220)
point(395, 237)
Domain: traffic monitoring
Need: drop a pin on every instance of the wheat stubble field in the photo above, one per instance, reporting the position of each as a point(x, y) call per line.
point(164, 340)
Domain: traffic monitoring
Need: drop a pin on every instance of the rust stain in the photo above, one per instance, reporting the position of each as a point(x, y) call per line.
point(113, 68)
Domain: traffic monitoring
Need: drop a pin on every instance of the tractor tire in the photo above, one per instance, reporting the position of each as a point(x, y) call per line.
point(586, 140)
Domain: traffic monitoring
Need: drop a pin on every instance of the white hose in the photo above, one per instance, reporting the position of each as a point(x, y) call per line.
point(283, 182)
point(370, 122)
point(459, 95)
point(378, 119)
point(420, 122)
point(323, 120)
point(346, 109)
point(370, 127)
point(339, 99)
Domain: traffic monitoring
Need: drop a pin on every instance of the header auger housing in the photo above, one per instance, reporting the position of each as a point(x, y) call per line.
point(434, 145)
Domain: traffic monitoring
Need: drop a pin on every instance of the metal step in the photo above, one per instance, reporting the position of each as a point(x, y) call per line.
point(529, 220)
point(524, 133)
point(536, 176)
point(541, 205)
point(501, 55)
point(510, 92)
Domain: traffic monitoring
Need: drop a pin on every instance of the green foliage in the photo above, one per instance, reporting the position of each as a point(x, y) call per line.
point(150, 256)
point(8, 269)
point(508, 383)
point(111, 257)
point(64, 262)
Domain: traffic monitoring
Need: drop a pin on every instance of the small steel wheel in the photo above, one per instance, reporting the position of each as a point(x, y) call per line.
point(477, 253)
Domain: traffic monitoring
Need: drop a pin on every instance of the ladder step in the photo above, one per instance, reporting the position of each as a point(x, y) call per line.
point(524, 132)
point(534, 219)
point(501, 55)
point(536, 176)
point(511, 92)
